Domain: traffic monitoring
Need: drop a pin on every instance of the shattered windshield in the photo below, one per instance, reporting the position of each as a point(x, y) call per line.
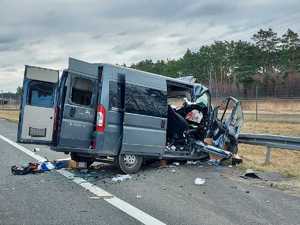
point(203, 99)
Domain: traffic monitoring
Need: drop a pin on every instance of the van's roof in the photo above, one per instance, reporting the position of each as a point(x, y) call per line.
point(73, 61)
point(149, 73)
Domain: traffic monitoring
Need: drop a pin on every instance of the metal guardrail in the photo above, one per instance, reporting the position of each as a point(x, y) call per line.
point(270, 141)
point(273, 141)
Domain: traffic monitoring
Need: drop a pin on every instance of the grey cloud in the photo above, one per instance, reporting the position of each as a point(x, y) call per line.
point(120, 49)
point(213, 9)
point(11, 46)
point(7, 39)
point(185, 40)
point(10, 69)
point(122, 33)
point(45, 33)
point(49, 60)
point(97, 36)
point(175, 35)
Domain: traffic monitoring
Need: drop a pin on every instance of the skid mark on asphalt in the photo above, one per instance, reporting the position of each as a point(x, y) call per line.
point(111, 199)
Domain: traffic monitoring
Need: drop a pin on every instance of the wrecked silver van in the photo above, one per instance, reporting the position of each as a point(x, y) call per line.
point(97, 111)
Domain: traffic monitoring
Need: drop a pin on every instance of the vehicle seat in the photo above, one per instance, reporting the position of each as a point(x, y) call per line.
point(177, 125)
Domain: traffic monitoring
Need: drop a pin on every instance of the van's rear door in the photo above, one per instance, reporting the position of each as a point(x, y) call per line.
point(37, 105)
point(145, 114)
point(78, 112)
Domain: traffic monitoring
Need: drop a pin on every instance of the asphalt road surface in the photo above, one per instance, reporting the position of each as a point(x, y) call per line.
point(153, 196)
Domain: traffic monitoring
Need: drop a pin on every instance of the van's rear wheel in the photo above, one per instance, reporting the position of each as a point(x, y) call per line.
point(129, 163)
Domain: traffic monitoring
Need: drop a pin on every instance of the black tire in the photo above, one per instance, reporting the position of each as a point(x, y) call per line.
point(129, 163)
point(77, 158)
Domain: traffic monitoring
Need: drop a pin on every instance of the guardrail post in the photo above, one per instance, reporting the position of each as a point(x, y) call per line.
point(268, 155)
point(256, 104)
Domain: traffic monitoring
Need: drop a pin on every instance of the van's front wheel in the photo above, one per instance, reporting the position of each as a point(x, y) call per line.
point(129, 163)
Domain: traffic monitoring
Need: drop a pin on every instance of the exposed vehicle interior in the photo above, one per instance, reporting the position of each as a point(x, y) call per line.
point(190, 123)
point(186, 120)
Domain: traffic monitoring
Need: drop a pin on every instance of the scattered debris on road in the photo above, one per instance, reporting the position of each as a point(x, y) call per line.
point(33, 168)
point(22, 170)
point(193, 162)
point(40, 167)
point(61, 163)
point(163, 163)
point(213, 162)
point(83, 170)
point(250, 174)
point(94, 197)
point(120, 178)
point(138, 196)
point(236, 159)
point(77, 165)
point(199, 181)
point(46, 166)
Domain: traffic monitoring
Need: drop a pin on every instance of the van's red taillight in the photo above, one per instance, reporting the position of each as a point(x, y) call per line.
point(100, 121)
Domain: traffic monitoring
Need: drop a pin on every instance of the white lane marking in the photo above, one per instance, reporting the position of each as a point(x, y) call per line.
point(133, 211)
point(23, 149)
point(113, 200)
point(85, 184)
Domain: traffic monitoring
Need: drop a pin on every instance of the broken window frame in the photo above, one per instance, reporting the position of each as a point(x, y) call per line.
point(185, 88)
point(73, 77)
point(157, 104)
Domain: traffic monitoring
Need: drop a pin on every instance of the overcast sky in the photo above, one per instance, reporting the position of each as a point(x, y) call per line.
point(46, 33)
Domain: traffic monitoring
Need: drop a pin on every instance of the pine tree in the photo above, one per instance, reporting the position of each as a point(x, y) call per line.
point(290, 52)
point(268, 43)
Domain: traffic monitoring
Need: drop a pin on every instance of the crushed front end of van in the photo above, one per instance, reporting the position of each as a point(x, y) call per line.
point(195, 132)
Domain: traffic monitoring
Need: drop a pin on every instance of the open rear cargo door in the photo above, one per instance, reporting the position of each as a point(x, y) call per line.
point(145, 115)
point(37, 105)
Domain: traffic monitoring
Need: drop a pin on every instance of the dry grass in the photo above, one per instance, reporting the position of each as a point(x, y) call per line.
point(273, 105)
point(278, 128)
point(11, 115)
point(285, 162)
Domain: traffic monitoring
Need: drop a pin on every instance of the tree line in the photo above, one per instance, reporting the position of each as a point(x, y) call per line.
point(269, 62)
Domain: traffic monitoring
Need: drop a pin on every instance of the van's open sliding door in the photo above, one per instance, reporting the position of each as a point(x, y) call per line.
point(145, 115)
point(37, 105)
